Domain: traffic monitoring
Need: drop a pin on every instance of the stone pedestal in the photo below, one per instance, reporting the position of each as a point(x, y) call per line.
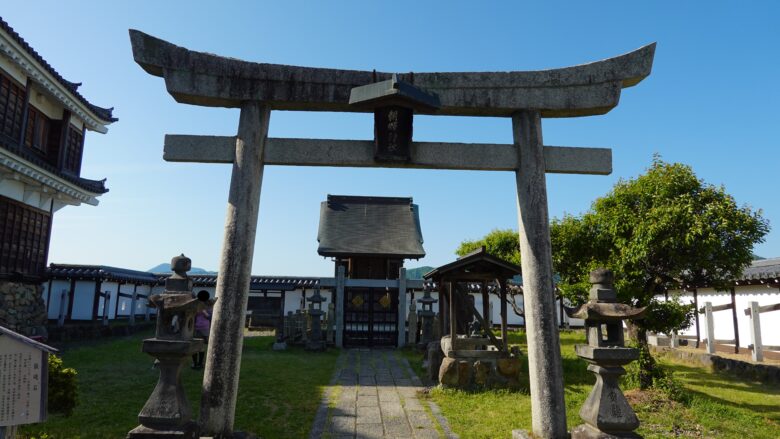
point(606, 412)
point(166, 413)
point(426, 335)
point(316, 342)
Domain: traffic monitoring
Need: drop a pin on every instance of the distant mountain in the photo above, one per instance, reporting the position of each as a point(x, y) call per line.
point(417, 273)
point(165, 267)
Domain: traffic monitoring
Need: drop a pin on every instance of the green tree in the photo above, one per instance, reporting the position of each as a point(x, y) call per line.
point(501, 243)
point(662, 230)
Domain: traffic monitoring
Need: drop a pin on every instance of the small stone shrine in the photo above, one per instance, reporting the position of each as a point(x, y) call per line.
point(166, 413)
point(606, 412)
point(427, 315)
point(316, 342)
point(472, 355)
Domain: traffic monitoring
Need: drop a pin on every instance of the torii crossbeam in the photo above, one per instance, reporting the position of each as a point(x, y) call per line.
point(210, 80)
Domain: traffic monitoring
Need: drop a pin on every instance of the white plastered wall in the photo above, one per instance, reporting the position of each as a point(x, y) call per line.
point(723, 320)
point(45, 104)
point(83, 299)
point(53, 300)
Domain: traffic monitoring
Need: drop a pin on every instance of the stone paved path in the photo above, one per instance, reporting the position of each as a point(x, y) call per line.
point(374, 395)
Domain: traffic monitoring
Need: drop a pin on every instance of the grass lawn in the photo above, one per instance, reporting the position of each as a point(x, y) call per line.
point(721, 406)
point(279, 392)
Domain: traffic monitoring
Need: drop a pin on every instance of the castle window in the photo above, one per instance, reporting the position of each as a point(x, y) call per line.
point(37, 134)
point(12, 98)
point(73, 151)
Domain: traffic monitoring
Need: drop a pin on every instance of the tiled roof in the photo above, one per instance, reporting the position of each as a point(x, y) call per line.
point(378, 226)
point(476, 262)
point(105, 114)
point(94, 186)
point(259, 282)
point(106, 273)
point(762, 269)
point(101, 272)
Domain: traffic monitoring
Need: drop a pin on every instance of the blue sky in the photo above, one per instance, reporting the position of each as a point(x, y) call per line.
point(711, 102)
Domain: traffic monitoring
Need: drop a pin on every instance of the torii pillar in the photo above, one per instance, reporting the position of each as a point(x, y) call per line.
point(210, 80)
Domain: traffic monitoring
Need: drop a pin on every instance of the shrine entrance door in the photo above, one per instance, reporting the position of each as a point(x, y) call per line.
point(370, 317)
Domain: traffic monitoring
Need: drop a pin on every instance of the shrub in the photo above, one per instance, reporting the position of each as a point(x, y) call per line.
point(63, 388)
point(646, 373)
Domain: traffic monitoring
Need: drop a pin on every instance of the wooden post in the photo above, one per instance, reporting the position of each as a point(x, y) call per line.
point(63, 308)
point(96, 299)
point(734, 319)
point(709, 319)
point(148, 308)
point(133, 301)
point(504, 319)
point(223, 360)
point(339, 306)
point(451, 305)
point(755, 331)
point(402, 307)
point(118, 297)
point(106, 305)
point(485, 304)
point(548, 408)
point(696, 316)
point(71, 296)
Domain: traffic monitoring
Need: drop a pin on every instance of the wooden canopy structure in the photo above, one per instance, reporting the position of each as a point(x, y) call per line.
point(456, 306)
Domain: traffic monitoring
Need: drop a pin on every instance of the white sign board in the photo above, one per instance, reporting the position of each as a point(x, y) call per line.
point(23, 381)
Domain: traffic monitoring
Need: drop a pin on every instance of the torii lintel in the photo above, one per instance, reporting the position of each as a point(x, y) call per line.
point(206, 79)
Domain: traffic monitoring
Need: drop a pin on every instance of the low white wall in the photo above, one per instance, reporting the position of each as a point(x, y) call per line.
point(723, 320)
point(83, 299)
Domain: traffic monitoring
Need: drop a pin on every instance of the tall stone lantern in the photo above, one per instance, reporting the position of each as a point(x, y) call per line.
point(426, 315)
point(166, 413)
point(606, 412)
point(316, 341)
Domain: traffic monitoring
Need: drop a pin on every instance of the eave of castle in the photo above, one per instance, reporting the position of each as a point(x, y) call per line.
point(43, 78)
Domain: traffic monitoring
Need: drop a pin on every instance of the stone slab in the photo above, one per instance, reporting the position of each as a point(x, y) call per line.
point(207, 79)
point(368, 415)
point(360, 153)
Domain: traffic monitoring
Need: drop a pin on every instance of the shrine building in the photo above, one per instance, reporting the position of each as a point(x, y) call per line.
point(43, 122)
point(370, 237)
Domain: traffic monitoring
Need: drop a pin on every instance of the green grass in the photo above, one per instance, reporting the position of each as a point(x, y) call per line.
point(278, 396)
point(721, 406)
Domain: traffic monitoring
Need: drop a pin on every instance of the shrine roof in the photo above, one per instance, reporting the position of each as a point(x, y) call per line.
point(104, 114)
point(478, 264)
point(370, 226)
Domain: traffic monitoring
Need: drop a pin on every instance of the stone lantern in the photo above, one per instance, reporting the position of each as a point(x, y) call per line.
point(606, 412)
point(426, 315)
point(166, 413)
point(316, 341)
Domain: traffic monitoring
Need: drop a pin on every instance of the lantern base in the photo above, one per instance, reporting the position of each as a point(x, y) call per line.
point(586, 431)
point(186, 431)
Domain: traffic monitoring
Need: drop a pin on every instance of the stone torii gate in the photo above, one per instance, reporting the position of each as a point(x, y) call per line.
point(209, 80)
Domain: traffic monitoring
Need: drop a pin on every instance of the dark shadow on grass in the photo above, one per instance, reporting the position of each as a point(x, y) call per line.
point(715, 379)
point(769, 411)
